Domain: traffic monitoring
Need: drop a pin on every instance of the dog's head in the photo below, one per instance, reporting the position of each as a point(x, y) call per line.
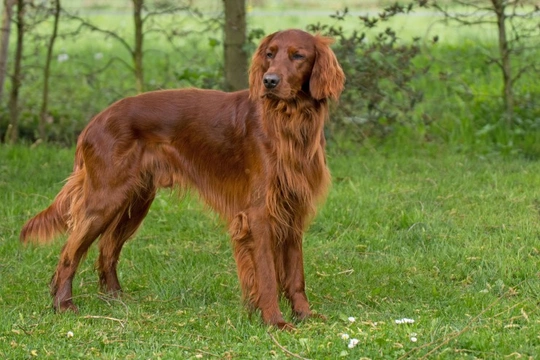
point(290, 62)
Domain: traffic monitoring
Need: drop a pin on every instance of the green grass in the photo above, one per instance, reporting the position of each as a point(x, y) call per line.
point(449, 240)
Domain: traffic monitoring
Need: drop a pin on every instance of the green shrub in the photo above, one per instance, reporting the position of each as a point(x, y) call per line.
point(380, 69)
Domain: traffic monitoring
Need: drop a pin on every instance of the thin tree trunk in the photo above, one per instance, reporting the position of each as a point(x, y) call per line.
point(508, 91)
point(46, 74)
point(4, 42)
point(12, 134)
point(138, 50)
point(236, 77)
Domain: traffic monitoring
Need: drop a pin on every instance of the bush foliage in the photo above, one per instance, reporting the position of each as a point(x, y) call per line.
point(414, 89)
point(380, 70)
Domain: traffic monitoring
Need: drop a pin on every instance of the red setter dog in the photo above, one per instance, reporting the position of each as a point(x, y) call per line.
point(255, 156)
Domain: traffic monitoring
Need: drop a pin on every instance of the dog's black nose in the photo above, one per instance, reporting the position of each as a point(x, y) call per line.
point(270, 81)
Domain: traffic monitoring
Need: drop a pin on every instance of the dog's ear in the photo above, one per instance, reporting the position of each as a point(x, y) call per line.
point(327, 77)
point(258, 68)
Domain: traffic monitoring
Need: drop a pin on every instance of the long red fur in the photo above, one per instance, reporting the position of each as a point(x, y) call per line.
point(255, 156)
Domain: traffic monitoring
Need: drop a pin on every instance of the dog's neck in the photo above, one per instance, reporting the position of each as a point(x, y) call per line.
point(296, 145)
point(296, 125)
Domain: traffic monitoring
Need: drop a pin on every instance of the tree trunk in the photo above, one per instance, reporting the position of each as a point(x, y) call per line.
point(4, 42)
point(508, 92)
point(46, 74)
point(236, 76)
point(138, 50)
point(12, 134)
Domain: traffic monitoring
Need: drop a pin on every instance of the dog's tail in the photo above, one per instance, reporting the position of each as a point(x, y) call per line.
point(55, 220)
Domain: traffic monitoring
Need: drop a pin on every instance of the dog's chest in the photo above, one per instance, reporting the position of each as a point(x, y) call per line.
point(299, 175)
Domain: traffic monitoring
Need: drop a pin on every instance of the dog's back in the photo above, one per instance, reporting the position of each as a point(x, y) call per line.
point(162, 139)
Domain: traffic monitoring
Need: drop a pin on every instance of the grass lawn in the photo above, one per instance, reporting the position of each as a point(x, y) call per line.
point(447, 240)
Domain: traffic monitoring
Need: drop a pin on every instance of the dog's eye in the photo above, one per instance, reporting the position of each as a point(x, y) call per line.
point(298, 56)
point(269, 55)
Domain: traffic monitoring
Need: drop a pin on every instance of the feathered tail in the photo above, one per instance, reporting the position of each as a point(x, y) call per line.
point(56, 219)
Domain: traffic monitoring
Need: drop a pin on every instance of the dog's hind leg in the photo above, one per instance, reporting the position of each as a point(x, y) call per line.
point(91, 213)
point(73, 251)
point(118, 232)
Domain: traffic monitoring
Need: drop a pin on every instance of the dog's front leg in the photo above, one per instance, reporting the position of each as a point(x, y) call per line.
point(253, 251)
point(265, 276)
point(293, 282)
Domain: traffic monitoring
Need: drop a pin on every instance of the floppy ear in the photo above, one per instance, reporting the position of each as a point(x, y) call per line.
point(257, 69)
point(327, 77)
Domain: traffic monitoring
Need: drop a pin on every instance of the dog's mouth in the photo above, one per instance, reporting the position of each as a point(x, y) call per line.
point(270, 95)
point(273, 94)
